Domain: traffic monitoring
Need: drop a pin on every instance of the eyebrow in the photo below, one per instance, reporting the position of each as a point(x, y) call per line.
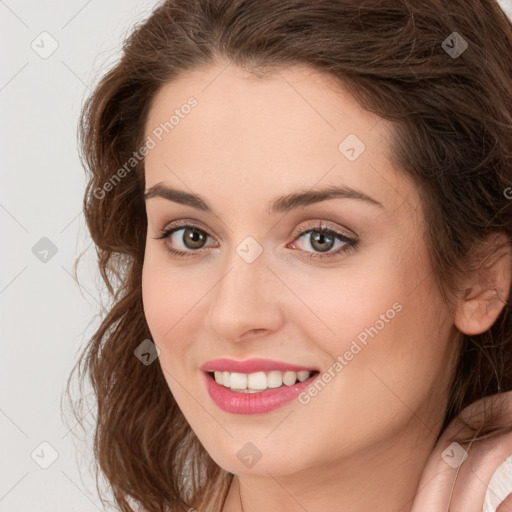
point(282, 204)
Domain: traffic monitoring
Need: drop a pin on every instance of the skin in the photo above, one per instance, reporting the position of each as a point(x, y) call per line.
point(360, 444)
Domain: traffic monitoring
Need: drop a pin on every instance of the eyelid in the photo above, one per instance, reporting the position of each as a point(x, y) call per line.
point(185, 223)
point(317, 225)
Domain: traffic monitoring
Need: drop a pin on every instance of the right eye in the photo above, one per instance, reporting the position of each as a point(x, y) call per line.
point(192, 239)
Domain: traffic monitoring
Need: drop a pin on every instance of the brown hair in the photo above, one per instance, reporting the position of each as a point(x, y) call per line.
point(452, 135)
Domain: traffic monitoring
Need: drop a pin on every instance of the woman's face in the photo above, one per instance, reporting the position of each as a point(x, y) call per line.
point(358, 309)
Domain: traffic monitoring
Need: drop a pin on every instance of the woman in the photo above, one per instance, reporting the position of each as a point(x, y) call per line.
point(301, 209)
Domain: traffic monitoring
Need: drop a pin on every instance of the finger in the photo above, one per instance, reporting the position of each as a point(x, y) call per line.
point(506, 505)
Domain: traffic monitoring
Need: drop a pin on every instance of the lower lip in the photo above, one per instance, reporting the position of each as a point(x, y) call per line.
point(254, 403)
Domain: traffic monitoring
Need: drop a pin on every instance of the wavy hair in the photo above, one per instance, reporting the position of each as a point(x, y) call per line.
point(452, 135)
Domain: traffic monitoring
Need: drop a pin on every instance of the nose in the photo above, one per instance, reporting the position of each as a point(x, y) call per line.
point(248, 299)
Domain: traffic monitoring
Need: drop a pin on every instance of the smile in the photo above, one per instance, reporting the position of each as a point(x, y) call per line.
point(254, 392)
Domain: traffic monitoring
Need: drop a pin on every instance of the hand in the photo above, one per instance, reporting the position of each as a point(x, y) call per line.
point(484, 457)
point(506, 506)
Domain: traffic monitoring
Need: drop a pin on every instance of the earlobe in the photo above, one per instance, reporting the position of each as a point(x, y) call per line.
point(487, 289)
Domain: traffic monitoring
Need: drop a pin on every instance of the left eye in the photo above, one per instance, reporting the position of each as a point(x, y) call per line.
point(323, 239)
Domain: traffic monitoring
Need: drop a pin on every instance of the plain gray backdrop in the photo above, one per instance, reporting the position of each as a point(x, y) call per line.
point(52, 55)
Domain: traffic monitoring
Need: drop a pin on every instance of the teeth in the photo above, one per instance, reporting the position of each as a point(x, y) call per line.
point(259, 381)
point(238, 381)
point(275, 379)
point(289, 378)
point(303, 375)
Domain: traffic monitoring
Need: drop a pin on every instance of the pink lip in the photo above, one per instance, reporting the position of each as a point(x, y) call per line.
point(252, 403)
point(251, 366)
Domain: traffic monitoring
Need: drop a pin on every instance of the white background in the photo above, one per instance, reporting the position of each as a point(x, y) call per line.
point(44, 315)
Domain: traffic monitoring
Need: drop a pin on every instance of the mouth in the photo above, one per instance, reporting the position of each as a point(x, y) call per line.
point(258, 392)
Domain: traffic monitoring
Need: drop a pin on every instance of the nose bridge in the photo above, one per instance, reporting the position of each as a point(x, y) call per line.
point(244, 298)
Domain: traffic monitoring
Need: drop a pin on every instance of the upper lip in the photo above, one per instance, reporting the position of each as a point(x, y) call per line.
point(251, 366)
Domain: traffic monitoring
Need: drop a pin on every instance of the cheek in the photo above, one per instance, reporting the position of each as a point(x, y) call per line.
point(165, 304)
point(167, 309)
point(339, 305)
point(397, 364)
point(376, 388)
point(170, 295)
point(387, 332)
point(175, 302)
point(158, 299)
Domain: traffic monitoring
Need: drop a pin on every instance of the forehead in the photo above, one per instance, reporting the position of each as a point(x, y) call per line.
point(227, 95)
point(294, 126)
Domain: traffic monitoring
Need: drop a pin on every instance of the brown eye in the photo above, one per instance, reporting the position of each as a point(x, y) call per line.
point(193, 238)
point(321, 241)
point(187, 243)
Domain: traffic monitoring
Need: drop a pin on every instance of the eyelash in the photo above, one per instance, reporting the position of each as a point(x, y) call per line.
point(351, 244)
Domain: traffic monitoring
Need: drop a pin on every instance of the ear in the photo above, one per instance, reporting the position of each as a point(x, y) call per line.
point(486, 290)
